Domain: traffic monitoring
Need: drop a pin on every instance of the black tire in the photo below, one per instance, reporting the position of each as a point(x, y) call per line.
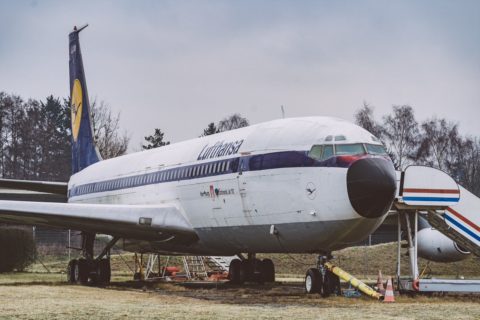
point(313, 281)
point(331, 284)
point(82, 271)
point(246, 271)
point(256, 271)
point(71, 271)
point(268, 270)
point(234, 271)
point(103, 272)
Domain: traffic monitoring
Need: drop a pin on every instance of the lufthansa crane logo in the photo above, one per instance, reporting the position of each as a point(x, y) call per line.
point(311, 190)
point(76, 108)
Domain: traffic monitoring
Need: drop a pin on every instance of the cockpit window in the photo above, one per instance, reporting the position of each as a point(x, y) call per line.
point(321, 152)
point(316, 152)
point(327, 152)
point(349, 149)
point(375, 149)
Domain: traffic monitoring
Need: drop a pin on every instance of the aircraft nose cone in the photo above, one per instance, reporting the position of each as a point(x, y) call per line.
point(371, 186)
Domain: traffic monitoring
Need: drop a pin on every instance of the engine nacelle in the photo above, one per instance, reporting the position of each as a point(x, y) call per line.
point(434, 246)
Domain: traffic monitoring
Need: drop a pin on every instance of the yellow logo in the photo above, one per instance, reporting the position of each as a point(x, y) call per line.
point(76, 108)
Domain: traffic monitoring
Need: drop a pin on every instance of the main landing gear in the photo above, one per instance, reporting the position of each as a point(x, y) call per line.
point(90, 270)
point(321, 280)
point(251, 270)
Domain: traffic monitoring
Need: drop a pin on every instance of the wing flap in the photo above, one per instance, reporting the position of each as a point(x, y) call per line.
point(142, 222)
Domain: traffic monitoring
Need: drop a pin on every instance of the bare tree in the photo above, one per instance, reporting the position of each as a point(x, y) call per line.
point(234, 121)
point(464, 165)
point(437, 138)
point(365, 119)
point(106, 129)
point(401, 135)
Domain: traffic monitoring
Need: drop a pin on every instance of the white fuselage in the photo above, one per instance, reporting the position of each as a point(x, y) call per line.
point(245, 190)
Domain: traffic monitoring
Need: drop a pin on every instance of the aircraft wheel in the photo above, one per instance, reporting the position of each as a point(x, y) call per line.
point(256, 271)
point(81, 271)
point(331, 284)
point(103, 271)
point(268, 270)
point(234, 271)
point(71, 274)
point(313, 281)
point(246, 271)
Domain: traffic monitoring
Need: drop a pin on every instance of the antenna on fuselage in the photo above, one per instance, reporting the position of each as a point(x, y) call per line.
point(283, 112)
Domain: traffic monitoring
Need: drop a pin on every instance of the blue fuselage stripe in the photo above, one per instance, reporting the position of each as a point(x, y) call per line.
point(462, 227)
point(275, 160)
point(431, 199)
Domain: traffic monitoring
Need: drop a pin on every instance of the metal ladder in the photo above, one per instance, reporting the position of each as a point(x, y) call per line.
point(195, 267)
point(218, 263)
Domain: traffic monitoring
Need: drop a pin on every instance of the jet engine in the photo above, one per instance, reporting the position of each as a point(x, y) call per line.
point(434, 246)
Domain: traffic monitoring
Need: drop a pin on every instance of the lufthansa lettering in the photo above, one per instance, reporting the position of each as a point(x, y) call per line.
point(219, 149)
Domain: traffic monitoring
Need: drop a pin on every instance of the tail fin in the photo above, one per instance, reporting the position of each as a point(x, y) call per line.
point(84, 151)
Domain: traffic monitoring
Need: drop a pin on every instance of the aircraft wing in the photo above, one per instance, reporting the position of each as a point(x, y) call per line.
point(39, 186)
point(142, 222)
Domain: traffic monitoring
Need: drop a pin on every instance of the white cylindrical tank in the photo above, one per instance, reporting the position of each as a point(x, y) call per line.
point(434, 246)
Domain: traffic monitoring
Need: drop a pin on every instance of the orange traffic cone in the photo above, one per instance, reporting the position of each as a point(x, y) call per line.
point(389, 297)
point(380, 287)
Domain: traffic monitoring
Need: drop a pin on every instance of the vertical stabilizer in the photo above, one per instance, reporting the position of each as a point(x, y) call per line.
point(84, 151)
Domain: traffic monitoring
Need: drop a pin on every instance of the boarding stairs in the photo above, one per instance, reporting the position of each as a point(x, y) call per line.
point(438, 221)
point(450, 208)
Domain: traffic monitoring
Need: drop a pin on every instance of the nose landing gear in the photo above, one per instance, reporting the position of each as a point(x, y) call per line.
point(321, 280)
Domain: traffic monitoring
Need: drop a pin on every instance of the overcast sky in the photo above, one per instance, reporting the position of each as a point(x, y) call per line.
point(178, 65)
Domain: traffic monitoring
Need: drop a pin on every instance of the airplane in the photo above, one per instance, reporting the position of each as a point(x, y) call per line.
point(296, 185)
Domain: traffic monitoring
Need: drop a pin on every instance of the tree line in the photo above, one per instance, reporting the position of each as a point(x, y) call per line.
point(35, 139)
point(435, 142)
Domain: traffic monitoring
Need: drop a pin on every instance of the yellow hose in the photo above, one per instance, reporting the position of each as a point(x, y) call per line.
point(353, 281)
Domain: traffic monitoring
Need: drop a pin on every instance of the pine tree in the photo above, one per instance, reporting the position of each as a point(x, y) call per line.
point(211, 129)
point(155, 140)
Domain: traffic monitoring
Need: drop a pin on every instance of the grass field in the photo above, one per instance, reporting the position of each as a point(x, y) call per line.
point(40, 295)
